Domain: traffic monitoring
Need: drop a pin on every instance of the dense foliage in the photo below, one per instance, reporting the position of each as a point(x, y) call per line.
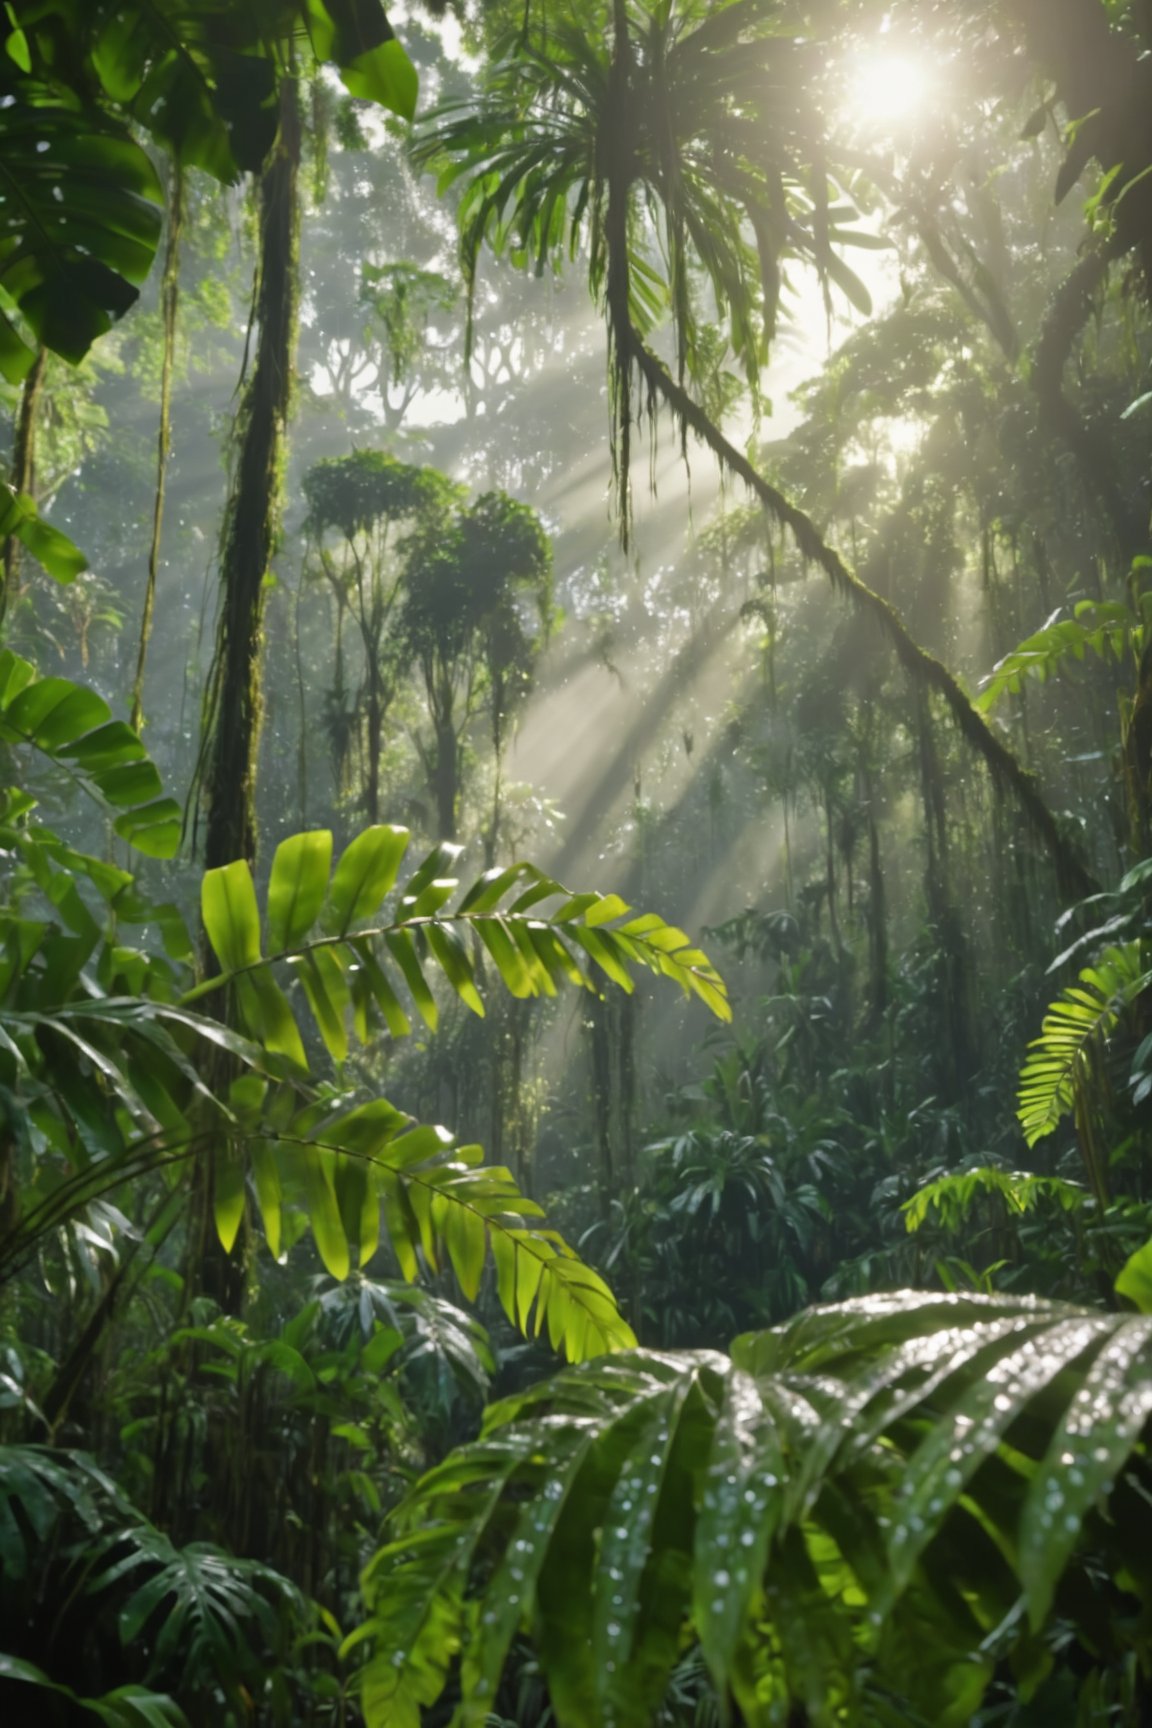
point(768, 1338)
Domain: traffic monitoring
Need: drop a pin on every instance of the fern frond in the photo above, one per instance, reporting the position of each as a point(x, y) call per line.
point(442, 1205)
point(1079, 1020)
point(952, 1197)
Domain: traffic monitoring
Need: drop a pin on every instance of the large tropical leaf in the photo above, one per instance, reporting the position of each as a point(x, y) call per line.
point(194, 1618)
point(73, 727)
point(201, 75)
point(80, 199)
point(19, 518)
point(197, 1610)
point(80, 226)
point(882, 1498)
point(197, 76)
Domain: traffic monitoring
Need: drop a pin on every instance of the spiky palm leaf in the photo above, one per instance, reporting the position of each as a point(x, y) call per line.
point(354, 959)
point(99, 1090)
point(882, 1497)
point(719, 144)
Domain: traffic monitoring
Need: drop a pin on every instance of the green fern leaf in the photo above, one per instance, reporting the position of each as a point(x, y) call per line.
point(1075, 1025)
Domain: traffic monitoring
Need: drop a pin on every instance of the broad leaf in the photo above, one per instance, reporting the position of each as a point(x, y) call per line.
point(80, 230)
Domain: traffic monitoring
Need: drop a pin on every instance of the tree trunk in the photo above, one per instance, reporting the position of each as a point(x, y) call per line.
point(447, 778)
point(169, 308)
point(232, 717)
point(23, 475)
point(375, 743)
point(231, 735)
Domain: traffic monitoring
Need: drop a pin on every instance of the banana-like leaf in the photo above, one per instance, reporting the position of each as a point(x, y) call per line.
point(1075, 1025)
point(354, 961)
point(196, 77)
point(882, 1497)
point(73, 727)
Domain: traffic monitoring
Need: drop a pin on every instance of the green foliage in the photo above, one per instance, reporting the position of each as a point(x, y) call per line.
point(81, 229)
point(354, 494)
point(20, 517)
point(950, 1199)
point(123, 1707)
point(1102, 627)
point(1134, 1279)
point(73, 727)
point(194, 1619)
point(706, 129)
point(465, 578)
point(1073, 1030)
point(83, 197)
point(881, 1498)
point(351, 967)
point(100, 1088)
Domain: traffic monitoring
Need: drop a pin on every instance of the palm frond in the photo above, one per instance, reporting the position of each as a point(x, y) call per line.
point(354, 970)
point(844, 1487)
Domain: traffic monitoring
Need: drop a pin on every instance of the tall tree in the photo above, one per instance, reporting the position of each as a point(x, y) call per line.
point(364, 512)
point(470, 583)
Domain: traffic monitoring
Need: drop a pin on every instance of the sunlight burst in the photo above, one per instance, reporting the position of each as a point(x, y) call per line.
point(889, 88)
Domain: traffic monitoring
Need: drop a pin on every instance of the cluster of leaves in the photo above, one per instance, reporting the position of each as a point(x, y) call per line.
point(884, 1498)
point(205, 1620)
point(1105, 628)
point(82, 197)
point(101, 1083)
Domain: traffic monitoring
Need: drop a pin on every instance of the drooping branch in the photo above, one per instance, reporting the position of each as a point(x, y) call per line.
point(616, 147)
point(923, 668)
